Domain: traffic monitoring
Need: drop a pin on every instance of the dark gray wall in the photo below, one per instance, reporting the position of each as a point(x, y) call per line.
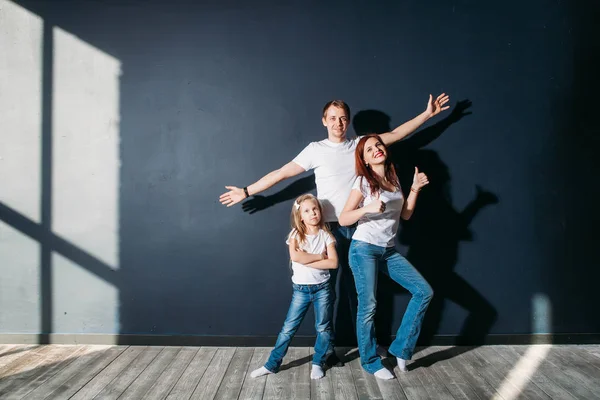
point(218, 93)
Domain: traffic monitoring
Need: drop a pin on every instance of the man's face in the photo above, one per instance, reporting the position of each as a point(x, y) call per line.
point(336, 122)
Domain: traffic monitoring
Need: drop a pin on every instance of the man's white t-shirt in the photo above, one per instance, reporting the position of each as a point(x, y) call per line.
point(334, 173)
point(379, 229)
point(314, 244)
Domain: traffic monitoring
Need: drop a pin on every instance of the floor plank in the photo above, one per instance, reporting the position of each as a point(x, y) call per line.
point(186, 385)
point(561, 376)
point(300, 380)
point(507, 382)
point(409, 381)
point(468, 367)
point(129, 374)
point(156, 373)
point(254, 388)
point(141, 385)
point(23, 360)
point(448, 376)
point(365, 383)
point(283, 385)
point(433, 385)
point(342, 381)
point(529, 365)
point(7, 349)
point(165, 383)
point(591, 355)
point(90, 355)
point(236, 373)
point(581, 360)
point(389, 389)
point(108, 374)
point(574, 367)
point(592, 350)
point(71, 386)
point(453, 375)
point(38, 371)
point(13, 355)
point(209, 384)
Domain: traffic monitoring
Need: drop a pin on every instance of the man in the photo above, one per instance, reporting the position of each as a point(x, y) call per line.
point(332, 160)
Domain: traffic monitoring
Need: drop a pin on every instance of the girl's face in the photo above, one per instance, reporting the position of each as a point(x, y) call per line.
point(374, 152)
point(310, 213)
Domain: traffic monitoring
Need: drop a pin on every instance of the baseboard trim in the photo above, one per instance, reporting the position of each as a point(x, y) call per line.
point(268, 341)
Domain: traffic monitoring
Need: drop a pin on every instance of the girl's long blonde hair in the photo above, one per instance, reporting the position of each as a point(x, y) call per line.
point(298, 227)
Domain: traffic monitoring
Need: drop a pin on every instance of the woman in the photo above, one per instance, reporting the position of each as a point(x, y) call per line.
point(376, 202)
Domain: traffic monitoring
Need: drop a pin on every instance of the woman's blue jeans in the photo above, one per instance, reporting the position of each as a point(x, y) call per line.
point(366, 260)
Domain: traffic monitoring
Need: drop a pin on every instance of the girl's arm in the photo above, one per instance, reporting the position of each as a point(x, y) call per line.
point(350, 214)
point(331, 262)
point(302, 257)
point(419, 180)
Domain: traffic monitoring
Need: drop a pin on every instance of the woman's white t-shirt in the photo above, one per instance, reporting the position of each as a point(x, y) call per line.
point(378, 229)
point(314, 244)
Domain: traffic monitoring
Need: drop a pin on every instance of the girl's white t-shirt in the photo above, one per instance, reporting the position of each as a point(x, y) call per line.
point(314, 244)
point(378, 229)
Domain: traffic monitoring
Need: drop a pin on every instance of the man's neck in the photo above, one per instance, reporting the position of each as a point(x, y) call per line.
point(334, 139)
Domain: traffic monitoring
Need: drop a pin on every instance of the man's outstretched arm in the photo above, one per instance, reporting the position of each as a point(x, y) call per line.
point(236, 194)
point(434, 107)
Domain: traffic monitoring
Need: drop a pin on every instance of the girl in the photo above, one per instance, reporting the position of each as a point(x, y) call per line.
point(312, 251)
point(377, 203)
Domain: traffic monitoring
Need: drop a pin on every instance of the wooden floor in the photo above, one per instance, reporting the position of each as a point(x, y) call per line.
point(137, 372)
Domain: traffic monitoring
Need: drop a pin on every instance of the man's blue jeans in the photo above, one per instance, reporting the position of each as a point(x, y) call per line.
point(365, 261)
point(304, 295)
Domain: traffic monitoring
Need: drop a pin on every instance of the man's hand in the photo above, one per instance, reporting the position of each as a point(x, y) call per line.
point(234, 196)
point(434, 107)
point(407, 128)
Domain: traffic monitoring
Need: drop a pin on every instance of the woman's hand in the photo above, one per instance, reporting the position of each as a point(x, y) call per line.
point(375, 207)
point(419, 180)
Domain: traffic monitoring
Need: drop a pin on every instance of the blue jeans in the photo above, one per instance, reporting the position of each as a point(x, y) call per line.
point(319, 295)
point(341, 279)
point(365, 260)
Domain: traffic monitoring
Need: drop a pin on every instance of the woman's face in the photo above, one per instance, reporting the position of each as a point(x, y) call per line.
point(374, 152)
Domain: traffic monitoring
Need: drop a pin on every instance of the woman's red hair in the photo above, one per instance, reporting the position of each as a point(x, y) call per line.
point(367, 173)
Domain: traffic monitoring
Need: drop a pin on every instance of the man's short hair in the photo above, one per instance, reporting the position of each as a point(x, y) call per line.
point(338, 104)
